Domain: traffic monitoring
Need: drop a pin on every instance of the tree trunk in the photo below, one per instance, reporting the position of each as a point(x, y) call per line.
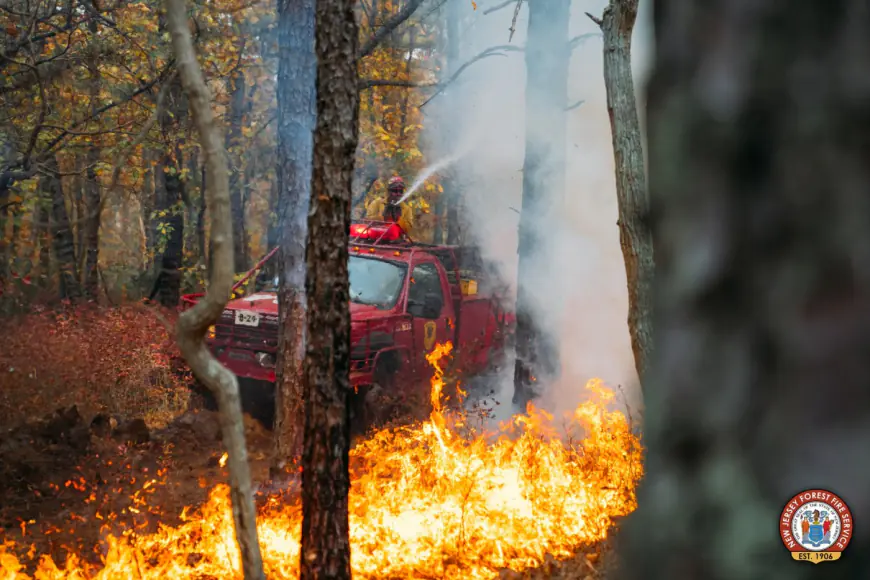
point(635, 238)
point(547, 57)
point(204, 253)
point(91, 223)
point(447, 204)
point(236, 87)
point(62, 235)
point(297, 116)
point(42, 232)
point(148, 198)
point(761, 223)
point(325, 550)
point(193, 323)
point(4, 245)
point(167, 286)
point(451, 194)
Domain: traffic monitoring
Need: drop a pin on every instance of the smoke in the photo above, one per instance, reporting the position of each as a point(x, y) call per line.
point(580, 285)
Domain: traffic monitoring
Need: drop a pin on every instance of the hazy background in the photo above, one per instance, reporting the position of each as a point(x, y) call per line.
point(584, 260)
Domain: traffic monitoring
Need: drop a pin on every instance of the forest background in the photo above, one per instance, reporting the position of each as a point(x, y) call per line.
point(101, 190)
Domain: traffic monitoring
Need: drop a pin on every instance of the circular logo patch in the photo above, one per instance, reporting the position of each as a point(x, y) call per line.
point(816, 526)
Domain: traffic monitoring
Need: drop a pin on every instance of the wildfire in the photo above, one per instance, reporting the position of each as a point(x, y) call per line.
point(426, 501)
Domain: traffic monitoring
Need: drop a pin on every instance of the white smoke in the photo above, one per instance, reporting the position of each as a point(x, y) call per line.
point(580, 285)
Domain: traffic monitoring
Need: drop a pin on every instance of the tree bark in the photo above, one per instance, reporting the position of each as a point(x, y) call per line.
point(325, 550)
point(62, 235)
point(761, 224)
point(547, 57)
point(148, 199)
point(169, 198)
point(204, 255)
point(92, 205)
point(236, 86)
point(42, 231)
point(297, 116)
point(167, 287)
point(635, 238)
point(193, 323)
point(447, 206)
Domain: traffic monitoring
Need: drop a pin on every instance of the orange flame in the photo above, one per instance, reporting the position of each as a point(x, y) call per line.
point(428, 503)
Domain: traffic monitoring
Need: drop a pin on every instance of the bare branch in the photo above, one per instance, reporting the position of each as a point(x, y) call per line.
point(43, 111)
point(370, 83)
point(10, 173)
point(513, 27)
point(595, 19)
point(498, 7)
point(120, 159)
point(389, 26)
point(579, 40)
point(193, 323)
point(145, 87)
point(491, 51)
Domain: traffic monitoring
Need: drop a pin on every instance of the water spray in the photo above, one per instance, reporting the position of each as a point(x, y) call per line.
point(435, 168)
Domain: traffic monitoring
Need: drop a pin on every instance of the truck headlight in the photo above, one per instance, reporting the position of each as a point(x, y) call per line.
point(265, 359)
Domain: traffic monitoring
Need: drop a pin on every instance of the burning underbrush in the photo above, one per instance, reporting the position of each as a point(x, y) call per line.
point(434, 499)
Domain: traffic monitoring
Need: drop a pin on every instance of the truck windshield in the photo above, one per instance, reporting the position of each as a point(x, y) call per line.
point(375, 282)
point(266, 282)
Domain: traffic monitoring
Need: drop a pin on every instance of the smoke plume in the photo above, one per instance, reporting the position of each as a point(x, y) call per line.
point(579, 286)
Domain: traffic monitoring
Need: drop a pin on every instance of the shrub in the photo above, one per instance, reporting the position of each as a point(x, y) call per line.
point(121, 360)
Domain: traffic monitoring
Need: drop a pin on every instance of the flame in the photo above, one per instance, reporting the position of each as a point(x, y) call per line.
point(426, 501)
point(223, 460)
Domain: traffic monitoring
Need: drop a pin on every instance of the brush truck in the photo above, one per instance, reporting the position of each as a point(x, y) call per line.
point(405, 297)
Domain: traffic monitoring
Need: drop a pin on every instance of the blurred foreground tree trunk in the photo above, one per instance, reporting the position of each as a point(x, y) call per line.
point(547, 57)
point(297, 115)
point(325, 550)
point(617, 25)
point(759, 175)
point(193, 323)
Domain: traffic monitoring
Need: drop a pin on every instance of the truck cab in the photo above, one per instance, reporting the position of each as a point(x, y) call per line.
point(405, 297)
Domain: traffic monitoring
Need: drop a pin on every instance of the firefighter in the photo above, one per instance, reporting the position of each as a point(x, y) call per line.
point(389, 209)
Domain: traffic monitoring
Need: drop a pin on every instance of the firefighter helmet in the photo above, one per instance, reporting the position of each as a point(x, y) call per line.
point(396, 183)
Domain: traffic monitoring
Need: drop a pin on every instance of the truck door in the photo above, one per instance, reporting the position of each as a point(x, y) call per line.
point(430, 307)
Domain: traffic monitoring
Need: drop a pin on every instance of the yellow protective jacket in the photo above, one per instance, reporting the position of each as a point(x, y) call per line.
point(375, 211)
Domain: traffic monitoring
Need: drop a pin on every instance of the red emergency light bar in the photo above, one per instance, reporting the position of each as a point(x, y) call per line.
point(377, 232)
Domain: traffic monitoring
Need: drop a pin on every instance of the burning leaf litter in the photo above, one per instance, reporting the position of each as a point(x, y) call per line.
point(426, 501)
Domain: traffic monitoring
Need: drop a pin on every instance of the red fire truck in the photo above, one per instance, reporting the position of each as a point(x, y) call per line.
point(405, 297)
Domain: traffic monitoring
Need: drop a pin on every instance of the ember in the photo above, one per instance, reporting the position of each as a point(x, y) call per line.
point(426, 502)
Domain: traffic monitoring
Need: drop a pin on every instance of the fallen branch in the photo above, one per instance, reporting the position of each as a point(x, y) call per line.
point(194, 323)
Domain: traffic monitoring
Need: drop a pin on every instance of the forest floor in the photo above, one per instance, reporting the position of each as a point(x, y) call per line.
point(72, 475)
